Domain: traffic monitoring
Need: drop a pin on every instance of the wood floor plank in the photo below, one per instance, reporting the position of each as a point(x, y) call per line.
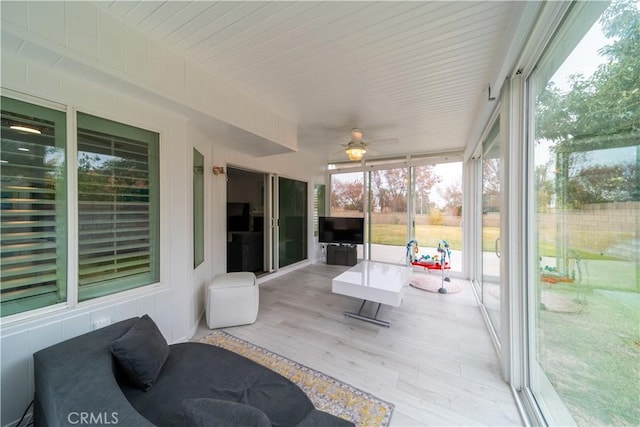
point(436, 362)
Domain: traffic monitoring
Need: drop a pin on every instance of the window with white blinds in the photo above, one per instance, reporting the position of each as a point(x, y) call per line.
point(118, 207)
point(33, 258)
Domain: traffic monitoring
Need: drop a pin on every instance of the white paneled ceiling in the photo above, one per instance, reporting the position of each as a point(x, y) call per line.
point(415, 73)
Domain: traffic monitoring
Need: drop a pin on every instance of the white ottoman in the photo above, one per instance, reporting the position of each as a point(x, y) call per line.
point(232, 300)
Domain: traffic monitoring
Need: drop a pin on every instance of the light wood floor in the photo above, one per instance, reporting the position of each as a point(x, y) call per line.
point(436, 362)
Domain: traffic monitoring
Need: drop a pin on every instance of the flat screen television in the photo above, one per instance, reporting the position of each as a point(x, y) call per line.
point(238, 218)
point(336, 229)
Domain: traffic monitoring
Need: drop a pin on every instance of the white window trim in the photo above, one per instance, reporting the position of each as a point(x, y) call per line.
point(550, 20)
point(72, 208)
point(71, 305)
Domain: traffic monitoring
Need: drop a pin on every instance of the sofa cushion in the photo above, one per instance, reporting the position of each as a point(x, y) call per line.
point(77, 375)
point(141, 352)
point(195, 370)
point(204, 412)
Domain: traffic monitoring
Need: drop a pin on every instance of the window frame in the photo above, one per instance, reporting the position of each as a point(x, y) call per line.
point(72, 232)
point(198, 208)
point(118, 129)
point(544, 406)
point(48, 111)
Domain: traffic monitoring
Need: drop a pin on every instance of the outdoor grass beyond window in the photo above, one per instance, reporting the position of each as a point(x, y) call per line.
point(118, 207)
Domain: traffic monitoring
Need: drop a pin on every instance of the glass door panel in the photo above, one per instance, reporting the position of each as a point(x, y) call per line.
point(584, 267)
point(292, 221)
point(271, 222)
point(476, 183)
point(347, 194)
point(437, 209)
point(347, 198)
point(388, 224)
point(491, 204)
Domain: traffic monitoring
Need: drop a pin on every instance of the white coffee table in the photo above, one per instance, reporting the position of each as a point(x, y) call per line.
point(377, 282)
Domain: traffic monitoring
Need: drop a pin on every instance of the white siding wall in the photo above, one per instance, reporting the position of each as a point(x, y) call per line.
point(97, 54)
point(82, 33)
point(165, 302)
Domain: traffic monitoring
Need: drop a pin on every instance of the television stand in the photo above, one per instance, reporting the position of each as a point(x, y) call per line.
point(342, 254)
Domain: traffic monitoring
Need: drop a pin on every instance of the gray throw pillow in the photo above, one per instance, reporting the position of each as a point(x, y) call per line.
point(203, 412)
point(141, 352)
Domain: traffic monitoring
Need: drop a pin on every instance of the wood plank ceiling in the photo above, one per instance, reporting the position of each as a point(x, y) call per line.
point(413, 72)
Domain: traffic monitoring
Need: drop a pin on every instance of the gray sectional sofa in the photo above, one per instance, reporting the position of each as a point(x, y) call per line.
point(125, 374)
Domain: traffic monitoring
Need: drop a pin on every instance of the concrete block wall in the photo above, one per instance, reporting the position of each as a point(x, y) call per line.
point(595, 227)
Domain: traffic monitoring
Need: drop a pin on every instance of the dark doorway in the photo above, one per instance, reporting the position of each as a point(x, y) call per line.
point(245, 220)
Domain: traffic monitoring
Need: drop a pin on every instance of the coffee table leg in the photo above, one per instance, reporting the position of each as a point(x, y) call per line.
point(364, 318)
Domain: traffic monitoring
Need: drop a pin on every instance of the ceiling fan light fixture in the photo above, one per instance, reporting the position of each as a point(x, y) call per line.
point(355, 153)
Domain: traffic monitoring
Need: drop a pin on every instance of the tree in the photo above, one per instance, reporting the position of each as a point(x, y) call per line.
point(390, 189)
point(602, 184)
point(453, 196)
point(597, 112)
point(491, 185)
point(425, 181)
point(115, 179)
point(390, 186)
point(607, 102)
point(544, 186)
point(347, 195)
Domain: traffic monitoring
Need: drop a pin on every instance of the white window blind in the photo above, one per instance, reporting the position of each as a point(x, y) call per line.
point(118, 207)
point(33, 216)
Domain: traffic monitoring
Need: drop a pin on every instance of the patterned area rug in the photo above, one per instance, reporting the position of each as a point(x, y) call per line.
point(326, 393)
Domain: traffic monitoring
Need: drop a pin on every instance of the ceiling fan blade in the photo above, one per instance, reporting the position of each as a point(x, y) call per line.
point(389, 141)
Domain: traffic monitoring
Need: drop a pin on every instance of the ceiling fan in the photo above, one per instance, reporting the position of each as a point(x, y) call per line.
point(357, 147)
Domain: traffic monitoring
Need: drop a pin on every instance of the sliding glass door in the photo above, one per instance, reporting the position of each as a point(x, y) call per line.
point(347, 199)
point(266, 221)
point(292, 221)
point(389, 226)
point(584, 263)
point(491, 202)
point(347, 194)
point(437, 209)
point(421, 201)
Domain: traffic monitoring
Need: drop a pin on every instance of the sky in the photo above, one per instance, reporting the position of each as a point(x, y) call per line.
point(584, 58)
point(449, 173)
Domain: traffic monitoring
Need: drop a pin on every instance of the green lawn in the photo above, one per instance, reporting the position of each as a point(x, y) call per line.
point(427, 235)
point(593, 357)
point(430, 235)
